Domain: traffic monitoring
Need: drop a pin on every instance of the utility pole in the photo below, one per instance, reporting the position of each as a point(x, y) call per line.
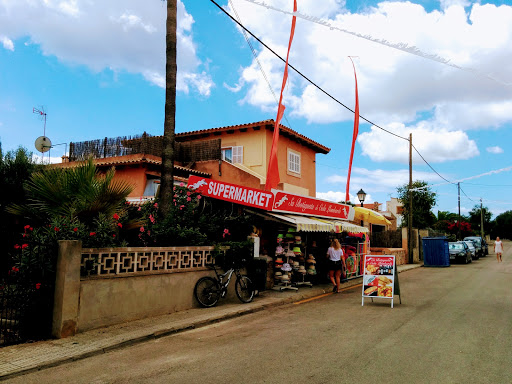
point(409, 222)
point(458, 223)
point(481, 220)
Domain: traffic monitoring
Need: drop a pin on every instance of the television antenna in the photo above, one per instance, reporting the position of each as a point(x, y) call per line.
point(42, 113)
point(43, 144)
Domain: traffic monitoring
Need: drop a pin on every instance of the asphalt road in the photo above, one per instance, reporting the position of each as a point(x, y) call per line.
point(453, 326)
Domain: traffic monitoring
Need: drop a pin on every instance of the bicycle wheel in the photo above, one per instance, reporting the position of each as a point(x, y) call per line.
point(244, 289)
point(207, 291)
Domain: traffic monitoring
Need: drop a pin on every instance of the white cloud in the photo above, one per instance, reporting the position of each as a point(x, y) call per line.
point(126, 35)
point(495, 150)
point(393, 85)
point(379, 180)
point(7, 43)
point(435, 144)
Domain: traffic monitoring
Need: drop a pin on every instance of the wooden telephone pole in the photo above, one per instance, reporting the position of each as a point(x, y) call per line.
point(458, 223)
point(409, 222)
point(481, 220)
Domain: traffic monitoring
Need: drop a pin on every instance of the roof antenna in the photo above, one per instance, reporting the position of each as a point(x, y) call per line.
point(43, 144)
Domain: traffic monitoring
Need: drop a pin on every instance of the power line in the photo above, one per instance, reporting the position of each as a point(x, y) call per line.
point(302, 75)
point(314, 84)
point(432, 168)
point(467, 195)
point(258, 61)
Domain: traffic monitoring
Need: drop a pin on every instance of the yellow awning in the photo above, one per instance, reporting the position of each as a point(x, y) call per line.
point(370, 216)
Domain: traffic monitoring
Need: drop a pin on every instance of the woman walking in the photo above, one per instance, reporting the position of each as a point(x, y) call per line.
point(498, 249)
point(336, 264)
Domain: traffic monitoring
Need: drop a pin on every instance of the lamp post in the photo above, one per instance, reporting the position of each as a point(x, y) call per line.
point(361, 195)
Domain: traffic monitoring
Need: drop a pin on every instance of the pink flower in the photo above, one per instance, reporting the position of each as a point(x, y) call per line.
point(198, 197)
point(24, 235)
point(173, 188)
point(155, 205)
point(142, 229)
point(75, 229)
point(38, 285)
point(120, 225)
point(92, 233)
point(188, 193)
point(113, 235)
point(189, 199)
point(149, 233)
point(116, 216)
point(17, 246)
point(14, 269)
point(226, 233)
point(152, 218)
point(24, 246)
point(139, 209)
point(57, 229)
point(181, 184)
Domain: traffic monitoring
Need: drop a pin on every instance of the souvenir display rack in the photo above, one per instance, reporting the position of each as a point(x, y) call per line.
point(283, 274)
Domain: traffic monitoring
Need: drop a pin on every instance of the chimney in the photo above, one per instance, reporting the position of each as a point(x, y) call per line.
point(376, 206)
point(65, 159)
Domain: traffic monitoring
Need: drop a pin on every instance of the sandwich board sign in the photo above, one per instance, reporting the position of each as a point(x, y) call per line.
point(380, 279)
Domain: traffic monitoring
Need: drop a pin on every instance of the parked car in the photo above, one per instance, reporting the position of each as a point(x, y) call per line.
point(475, 254)
point(459, 251)
point(479, 244)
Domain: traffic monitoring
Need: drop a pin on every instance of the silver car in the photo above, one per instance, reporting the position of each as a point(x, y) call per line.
point(472, 248)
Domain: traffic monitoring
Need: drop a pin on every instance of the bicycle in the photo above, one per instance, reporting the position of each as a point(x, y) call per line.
point(208, 290)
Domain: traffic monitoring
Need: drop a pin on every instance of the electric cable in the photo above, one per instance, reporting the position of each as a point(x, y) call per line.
point(432, 168)
point(258, 61)
point(314, 84)
point(302, 75)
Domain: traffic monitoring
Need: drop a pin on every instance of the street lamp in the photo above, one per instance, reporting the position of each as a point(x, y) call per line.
point(361, 195)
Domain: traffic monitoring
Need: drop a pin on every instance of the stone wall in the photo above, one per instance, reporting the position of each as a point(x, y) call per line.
point(102, 287)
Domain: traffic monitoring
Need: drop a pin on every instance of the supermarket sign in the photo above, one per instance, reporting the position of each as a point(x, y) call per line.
point(379, 277)
point(251, 197)
point(275, 201)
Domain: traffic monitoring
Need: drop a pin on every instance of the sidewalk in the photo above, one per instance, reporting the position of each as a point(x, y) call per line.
point(19, 359)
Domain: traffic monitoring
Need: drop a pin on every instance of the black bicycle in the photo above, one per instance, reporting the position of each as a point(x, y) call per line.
point(209, 290)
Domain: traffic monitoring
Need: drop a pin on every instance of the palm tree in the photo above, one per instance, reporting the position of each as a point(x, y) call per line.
point(170, 111)
point(82, 193)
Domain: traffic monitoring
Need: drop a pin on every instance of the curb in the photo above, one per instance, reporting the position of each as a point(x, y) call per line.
point(179, 329)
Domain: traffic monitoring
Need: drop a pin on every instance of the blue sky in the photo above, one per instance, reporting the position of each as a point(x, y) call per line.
point(97, 68)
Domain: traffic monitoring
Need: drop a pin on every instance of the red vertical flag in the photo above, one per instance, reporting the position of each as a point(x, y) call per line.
point(273, 167)
point(354, 135)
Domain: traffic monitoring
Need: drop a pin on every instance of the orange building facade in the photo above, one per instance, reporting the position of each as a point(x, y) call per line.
point(243, 159)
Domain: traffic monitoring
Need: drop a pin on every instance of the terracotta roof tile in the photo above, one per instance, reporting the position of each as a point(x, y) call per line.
point(130, 159)
point(317, 146)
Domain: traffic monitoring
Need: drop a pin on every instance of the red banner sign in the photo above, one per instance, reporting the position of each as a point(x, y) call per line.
point(251, 197)
point(302, 205)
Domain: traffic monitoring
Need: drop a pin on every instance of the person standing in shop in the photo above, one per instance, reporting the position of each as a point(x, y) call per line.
point(336, 264)
point(498, 249)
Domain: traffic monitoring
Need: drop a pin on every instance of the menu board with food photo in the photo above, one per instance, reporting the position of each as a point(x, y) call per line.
point(379, 276)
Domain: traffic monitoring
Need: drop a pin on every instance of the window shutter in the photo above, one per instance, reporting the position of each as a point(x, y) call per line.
point(238, 155)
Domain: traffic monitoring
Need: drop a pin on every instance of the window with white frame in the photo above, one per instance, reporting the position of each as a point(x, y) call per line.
point(233, 155)
point(294, 162)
